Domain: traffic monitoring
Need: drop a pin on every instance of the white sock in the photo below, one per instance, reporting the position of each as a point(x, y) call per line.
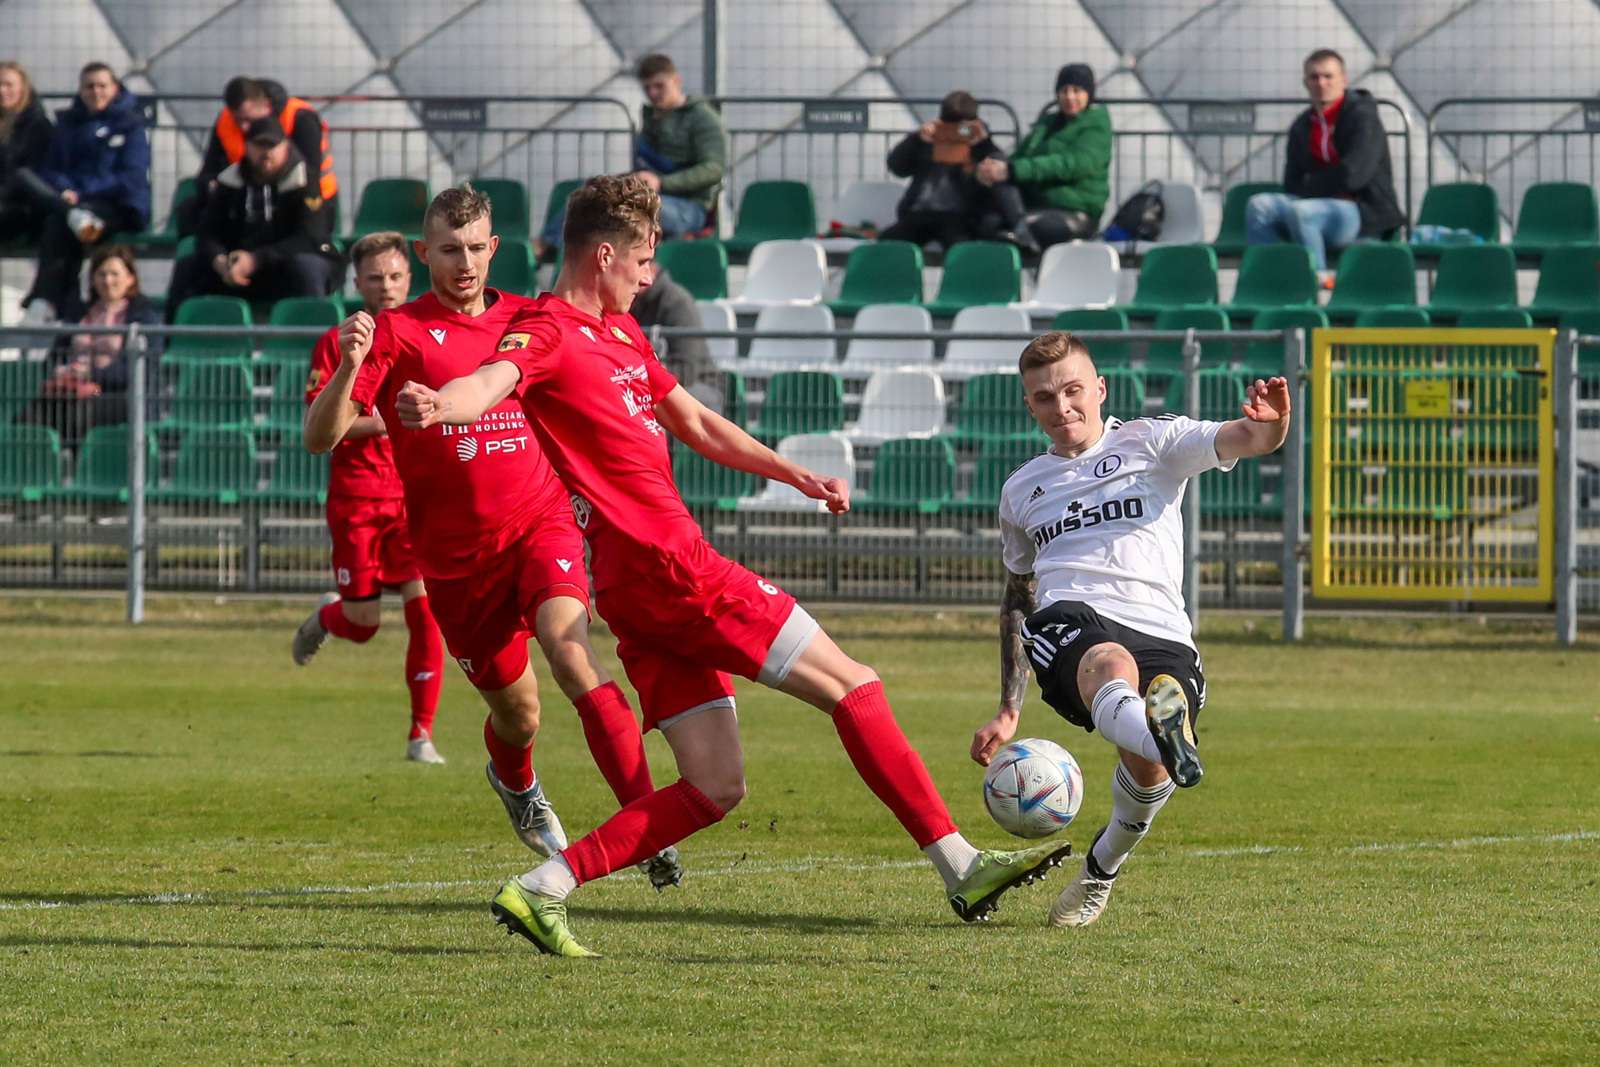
point(1133, 808)
point(953, 857)
point(553, 878)
point(1118, 713)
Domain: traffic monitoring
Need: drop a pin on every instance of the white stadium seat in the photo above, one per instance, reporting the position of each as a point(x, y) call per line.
point(715, 316)
point(873, 202)
point(827, 454)
point(963, 359)
point(865, 356)
point(1078, 274)
point(1184, 224)
point(769, 354)
point(908, 402)
point(783, 273)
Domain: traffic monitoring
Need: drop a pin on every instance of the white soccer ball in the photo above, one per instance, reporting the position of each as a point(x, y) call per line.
point(1033, 788)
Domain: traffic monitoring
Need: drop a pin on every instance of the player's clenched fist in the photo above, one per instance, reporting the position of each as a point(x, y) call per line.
point(355, 337)
point(417, 405)
point(835, 492)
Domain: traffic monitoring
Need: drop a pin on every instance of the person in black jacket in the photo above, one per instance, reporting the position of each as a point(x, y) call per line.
point(25, 133)
point(944, 202)
point(666, 303)
point(266, 233)
point(1338, 184)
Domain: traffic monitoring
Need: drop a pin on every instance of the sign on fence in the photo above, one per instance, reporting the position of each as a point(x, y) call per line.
point(834, 116)
point(1222, 117)
point(455, 114)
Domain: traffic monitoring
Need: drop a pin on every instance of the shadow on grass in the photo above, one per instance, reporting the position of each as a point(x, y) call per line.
point(69, 941)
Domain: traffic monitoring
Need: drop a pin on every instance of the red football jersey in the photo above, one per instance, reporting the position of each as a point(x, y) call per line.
point(363, 468)
point(471, 491)
point(588, 386)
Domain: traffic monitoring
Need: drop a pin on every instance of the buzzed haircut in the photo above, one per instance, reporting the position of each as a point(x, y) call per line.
point(458, 206)
point(620, 210)
point(95, 68)
point(1051, 348)
point(959, 106)
point(1320, 54)
point(240, 90)
point(376, 244)
point(654, 64)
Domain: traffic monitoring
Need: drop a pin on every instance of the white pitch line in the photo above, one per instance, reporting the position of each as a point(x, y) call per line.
point(789, 867)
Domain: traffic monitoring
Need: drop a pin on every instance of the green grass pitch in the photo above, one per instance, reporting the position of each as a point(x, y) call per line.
point(210, 856)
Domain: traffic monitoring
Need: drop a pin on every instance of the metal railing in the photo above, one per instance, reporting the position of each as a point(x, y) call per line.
point(1543, 139)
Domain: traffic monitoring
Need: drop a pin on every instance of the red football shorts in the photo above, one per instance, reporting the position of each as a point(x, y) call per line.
point(371, 545)
point(693, 621)
point(487, 618)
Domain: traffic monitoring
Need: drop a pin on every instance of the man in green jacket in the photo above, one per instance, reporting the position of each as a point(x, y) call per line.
point(682, 152)
point(1055, 185)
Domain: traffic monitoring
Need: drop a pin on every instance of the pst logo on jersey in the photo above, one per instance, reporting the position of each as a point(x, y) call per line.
point(467, 448)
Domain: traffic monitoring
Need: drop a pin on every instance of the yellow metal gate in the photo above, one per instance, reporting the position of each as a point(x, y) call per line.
point(1432, 468)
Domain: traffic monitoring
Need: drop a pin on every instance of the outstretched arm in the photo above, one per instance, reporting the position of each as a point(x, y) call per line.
point(1016, 604)
point(720, 441)
point(332, 414)
point(460, 402)
point(1265, 423)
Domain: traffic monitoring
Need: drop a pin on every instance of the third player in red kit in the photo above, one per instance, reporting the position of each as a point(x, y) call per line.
point(685, 617)
point(493, 531)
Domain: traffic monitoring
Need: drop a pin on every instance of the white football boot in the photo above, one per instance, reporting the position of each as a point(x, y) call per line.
point(1085, 896)
point(309, 639)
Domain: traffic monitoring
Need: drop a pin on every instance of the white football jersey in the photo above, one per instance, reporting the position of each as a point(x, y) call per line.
point(1106, 527)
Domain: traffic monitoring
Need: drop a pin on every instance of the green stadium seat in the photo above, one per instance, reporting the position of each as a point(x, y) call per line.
point(911, 474)
point(1555, 214)
point(1237, 493)
point(801, 401)
point(1394, 318)
point(1274, 276)
point(165, 240)
point(209, 311)
point(1372, 275)
point(298, 477)
point(1165, 358)
point(324, 312)
point(286, 413)
point(1495, 319)
point(211, 395)
point(30, 462)
point(391, 204)
point(1173, 276)
point(557, 200)
point(1221, 394)
point(1266, 357)
point(1569, 280)
point(1459, 206)
point(102, 467)
point(773, 211)
point(1472, 277)
point(19, 384)
point(978, 272)
point(1105, 353)
point(1231, 234)
point(512, 270)
point(1587, 323)
point(735, 404)
point(704, 483)
point(508, 206)
point(998, 459)
point(699, 266)
point(1125, 395)
point(216, 465)
point(992, 408)
point(881, 272)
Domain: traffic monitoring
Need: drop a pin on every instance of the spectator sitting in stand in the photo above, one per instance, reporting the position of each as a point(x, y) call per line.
point(25, 132)
point(244, 100)
point(1055, 185)
point(95, 181)
point(682, 153)
point(944, 202)
point(90, 382)
point(267, 231)
point(1338, 184)
point(666, 303)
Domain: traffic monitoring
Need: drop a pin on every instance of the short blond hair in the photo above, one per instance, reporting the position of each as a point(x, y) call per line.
point(1050, 348)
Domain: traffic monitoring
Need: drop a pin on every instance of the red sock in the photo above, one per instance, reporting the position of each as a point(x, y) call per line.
point(424, 665)
point(513, 764)
point(615, 742)
point(641, 829)
point(889, 765)
point(333, 621)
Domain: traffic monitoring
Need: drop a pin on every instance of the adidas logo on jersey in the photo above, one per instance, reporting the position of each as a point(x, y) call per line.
point(437, 335)
point(466, 448)
point(1038, 491)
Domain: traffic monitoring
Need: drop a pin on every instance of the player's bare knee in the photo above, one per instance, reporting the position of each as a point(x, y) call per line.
point(364, 613)
point(572, 665)
point(724, 792)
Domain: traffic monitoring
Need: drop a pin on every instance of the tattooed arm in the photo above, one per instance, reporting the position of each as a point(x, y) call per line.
point(1016, 604)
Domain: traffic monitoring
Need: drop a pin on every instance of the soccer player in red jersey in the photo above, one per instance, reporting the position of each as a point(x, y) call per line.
point(493, 529)
point(367, 516)
point(685, 617)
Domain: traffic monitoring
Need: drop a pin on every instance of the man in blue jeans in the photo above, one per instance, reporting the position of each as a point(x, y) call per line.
point(1338, 184)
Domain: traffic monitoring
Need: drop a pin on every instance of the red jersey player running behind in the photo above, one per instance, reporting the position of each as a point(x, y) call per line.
point(685, 617)
point(367, 516)
point(494, 532)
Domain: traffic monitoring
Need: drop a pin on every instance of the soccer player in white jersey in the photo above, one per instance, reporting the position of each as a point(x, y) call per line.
point(1093, 540)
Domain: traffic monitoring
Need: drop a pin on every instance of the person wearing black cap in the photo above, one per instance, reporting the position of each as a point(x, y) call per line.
point(1061, 169)
point(266, 232)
